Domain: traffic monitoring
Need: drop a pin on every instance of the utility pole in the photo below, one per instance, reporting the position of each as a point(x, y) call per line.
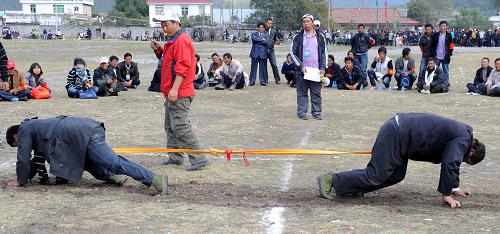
point(329, 13)
point(378, 25)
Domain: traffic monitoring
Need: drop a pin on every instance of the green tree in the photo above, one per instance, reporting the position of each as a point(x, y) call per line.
point(443, 8)
point(286, 14)
point(422, 11)
point(128, 12)
point(471, 18)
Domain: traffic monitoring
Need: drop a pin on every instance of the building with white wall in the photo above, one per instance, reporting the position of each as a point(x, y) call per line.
point(181, 7)
point(50, 12)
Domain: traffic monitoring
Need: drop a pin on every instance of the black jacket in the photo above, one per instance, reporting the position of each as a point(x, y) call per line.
point(360, 43)
point(133, 71)
point(62, 141)
point(479, 79)
point(102, 76)
point(448, 45)
point(297, 50)
point(438, 78)
point(435, 139)
point(4, 75)
point(357, 76)
point(425, 45)
point(273, 38)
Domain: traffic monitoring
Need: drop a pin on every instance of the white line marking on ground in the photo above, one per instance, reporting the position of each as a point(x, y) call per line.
point(273, 218)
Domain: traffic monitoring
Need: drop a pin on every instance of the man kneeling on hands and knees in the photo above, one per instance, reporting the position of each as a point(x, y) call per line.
point(411, 136)
point(72, 145)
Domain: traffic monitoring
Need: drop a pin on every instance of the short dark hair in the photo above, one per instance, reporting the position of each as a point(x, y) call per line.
point(127, 55)
point(261, 24)
point(227, 55)
point(33, 66)
point(288, 55)
point(79, 61)
point(431, 59)
point(382, 49)
point(113, 57)
point(480, 151)
point(361, 25)
point(406, 51)
point(214, 54)
point(9, 135)
point(350, 51)
point(498, 59)
point(348, 59)
point(269, 19)
point(486, 59)
point(443, 22)
point(428, 26)
point(331, 57)
point(197, 57)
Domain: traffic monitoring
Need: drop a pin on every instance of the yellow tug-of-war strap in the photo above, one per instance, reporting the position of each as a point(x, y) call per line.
point(246, 152)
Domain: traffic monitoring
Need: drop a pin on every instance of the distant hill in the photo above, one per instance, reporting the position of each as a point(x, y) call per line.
point(367, 3)
point(104, 6)
point(10, 5)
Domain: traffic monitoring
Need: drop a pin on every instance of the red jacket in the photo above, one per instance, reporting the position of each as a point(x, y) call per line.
point(181, 51)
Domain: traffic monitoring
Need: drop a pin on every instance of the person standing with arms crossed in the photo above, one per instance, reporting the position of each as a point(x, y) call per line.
point(177, 77)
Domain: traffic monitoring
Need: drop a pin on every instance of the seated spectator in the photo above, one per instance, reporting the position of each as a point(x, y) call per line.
point(79, 79)
point(230, 74)
point(431, 80)
point(405, 70)
point(38, 87)
point(103, 80)
point(35, 78)
point(199, 82)
point(129, 72)
point(493, 82)
point(351, 77)
point(216, 64)
point(17, 89)
point(115, 72)
point(288, 69)
point(381, 69)
point(482, 75)
point(332, 71)
point(350, 53)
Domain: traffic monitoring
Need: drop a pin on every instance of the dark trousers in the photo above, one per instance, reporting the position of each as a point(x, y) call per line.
point(373, 79)
point(272, 59)
point(495, 92)
point(411, 79)
point(6, 96)
point(262, 63)
point(386, 167)
point(303, 88)
point(440, 88)
point(102, 162)
point(227, 81)
point(480, 88)
point(290, 78)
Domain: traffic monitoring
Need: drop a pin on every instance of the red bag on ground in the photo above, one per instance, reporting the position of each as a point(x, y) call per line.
point(40, 93)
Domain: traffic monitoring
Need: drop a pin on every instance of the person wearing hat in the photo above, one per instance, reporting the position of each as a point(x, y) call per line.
point(309, 50)
point(103, 80)
point(317, 25)
point(17, 87)
point(177, 76)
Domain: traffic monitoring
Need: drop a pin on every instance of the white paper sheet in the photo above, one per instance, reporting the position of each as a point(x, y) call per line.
point(312, 74)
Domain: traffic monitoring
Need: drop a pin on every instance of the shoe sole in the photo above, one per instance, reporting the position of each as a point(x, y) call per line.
point(321, 188)
point(198, 167)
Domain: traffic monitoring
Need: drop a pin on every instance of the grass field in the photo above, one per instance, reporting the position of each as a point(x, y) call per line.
point(276, 194)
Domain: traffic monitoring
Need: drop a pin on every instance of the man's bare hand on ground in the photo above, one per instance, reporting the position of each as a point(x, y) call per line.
point(12, 182)
point(452, 202)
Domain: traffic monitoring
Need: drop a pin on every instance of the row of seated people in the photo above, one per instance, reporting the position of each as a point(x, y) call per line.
point(110, 78)
point(22, 86)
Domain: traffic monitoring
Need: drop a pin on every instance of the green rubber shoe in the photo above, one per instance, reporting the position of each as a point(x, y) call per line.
point(325, 183)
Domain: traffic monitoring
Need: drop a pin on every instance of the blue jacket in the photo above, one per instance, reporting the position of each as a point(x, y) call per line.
point(288, 68)
point(259, 45)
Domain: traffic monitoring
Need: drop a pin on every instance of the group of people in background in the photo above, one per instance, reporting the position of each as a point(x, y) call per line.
point(109, 79)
